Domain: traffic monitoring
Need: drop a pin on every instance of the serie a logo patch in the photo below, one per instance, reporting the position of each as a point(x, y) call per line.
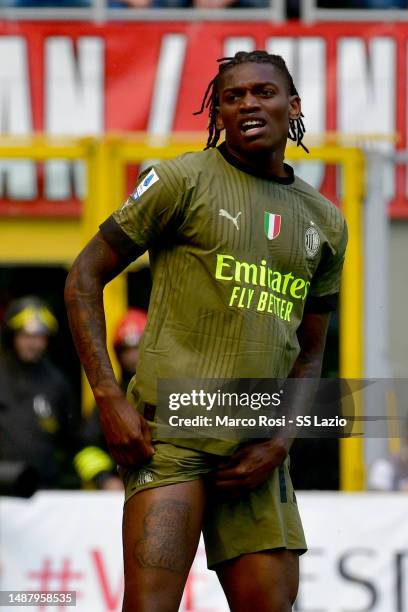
point(145, 184)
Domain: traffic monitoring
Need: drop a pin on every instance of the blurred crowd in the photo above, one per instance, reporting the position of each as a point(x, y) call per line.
point(363, 4)
point(44, 440)
point(293, 6)
point(136, 3)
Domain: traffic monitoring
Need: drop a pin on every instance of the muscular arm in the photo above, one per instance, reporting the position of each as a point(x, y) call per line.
point(311, 334)
point(126, 432)
point(95, 266)
point(251, 464)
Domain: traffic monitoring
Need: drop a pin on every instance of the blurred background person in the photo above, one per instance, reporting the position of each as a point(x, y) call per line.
point(362, 4)
point(70, 3)
point(231, 4)
point(133, 3)
point(126, 343)
point(93, 463)
point(38, 411)
point(45, 3)
point(137, 3)
point(391, 473)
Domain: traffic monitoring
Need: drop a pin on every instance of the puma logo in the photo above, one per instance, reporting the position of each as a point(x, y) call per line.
point(225, 213)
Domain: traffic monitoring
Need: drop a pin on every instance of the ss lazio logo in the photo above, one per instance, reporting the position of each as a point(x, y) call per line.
point(272, 225)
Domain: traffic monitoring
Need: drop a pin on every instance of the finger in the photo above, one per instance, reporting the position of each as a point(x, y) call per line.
point(130, 456)
point(230, 462)
point(230, 474)
point(146, 449)
point(122, 459)
point(139, 451)
point(230, 485)
point(237, 456)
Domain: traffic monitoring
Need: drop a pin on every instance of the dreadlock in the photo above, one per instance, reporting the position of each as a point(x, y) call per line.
point(211, 98)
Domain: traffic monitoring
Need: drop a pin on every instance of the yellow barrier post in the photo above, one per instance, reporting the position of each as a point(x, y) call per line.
point(352, 472)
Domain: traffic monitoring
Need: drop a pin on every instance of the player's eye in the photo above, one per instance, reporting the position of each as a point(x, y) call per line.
point(231, 97)
point(267, 93)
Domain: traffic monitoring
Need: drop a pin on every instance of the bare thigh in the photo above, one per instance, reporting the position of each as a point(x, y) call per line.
point(264, 581)
point(161, 530)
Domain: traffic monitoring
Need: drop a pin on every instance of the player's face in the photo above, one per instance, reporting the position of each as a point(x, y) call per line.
point(30, 347)
point(255, 108)
point(128, 358)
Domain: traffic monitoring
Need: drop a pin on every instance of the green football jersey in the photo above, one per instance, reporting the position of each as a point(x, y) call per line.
point(234, 259)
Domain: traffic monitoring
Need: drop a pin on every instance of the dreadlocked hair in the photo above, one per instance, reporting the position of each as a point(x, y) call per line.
point(211, 99)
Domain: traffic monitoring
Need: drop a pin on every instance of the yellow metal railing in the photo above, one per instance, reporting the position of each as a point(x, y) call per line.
point(106, 158)
point(40, 240)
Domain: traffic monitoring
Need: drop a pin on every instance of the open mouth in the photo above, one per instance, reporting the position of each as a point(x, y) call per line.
point(252, 126)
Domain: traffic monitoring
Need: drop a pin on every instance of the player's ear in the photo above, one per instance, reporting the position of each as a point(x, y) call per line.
point(219, 124)
point(295, 109)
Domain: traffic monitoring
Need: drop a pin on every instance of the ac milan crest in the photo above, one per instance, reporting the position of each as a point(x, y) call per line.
point(312, 241)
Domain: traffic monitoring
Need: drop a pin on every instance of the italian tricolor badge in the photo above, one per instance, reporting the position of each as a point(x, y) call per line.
point(272, 224)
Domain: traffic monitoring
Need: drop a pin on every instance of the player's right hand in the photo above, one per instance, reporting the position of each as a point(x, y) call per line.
point(127, 433)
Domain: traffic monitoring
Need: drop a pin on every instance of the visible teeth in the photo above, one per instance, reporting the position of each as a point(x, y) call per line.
point(251, 123)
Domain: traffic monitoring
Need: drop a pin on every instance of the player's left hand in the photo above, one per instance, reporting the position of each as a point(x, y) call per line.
point(250, 466)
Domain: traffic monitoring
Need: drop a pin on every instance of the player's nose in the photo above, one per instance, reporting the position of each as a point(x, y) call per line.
point(249, 101)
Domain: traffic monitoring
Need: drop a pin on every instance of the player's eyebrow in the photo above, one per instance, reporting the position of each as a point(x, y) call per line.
point(256, 85)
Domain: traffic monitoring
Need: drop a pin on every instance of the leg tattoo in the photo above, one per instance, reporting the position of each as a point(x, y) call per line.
point(164, 542)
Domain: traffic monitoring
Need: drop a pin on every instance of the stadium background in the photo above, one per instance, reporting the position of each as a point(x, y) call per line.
point(116, 89)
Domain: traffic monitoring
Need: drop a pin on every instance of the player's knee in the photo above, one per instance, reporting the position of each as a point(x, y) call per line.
point(153, 600)
point(286, 596)
point(263, 599)
point(279, 600)
point(264, 604)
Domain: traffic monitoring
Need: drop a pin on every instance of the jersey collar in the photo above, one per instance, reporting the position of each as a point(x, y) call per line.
point(231, 159)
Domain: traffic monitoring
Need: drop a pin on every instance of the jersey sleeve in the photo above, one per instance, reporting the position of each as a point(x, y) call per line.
point(154, 209)
point(326, 280)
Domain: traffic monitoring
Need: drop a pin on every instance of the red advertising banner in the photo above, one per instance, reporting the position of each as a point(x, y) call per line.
point(71, 78)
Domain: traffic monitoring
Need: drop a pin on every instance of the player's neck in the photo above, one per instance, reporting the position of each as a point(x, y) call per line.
point(269, 163)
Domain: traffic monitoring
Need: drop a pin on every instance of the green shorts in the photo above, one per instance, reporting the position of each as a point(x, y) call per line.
point(263, 519)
